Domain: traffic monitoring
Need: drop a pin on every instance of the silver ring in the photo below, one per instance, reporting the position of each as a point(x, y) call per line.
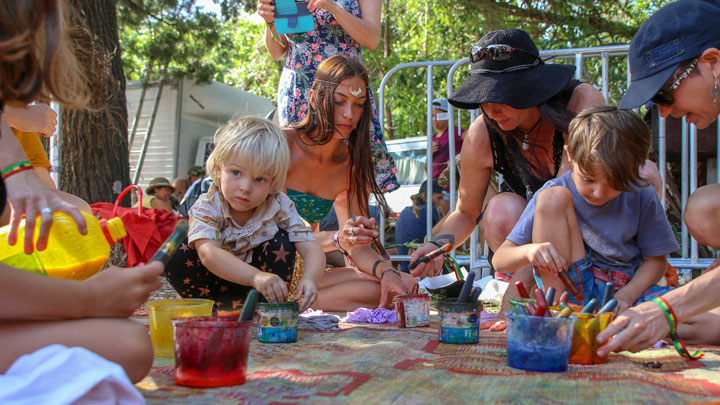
point(46, 211)
point(351, 233)
point(353, 218)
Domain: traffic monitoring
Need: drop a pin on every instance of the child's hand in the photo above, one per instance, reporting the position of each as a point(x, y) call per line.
point(308, 290)
point(271, 286)
point(623, 302)
point(117, 292)
point(546, 258)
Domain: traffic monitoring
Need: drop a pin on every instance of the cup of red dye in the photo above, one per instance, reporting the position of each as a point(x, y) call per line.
point(211, 351)
point(413, 310)
point(538, 343)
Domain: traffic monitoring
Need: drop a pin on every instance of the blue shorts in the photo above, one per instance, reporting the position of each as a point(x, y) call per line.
point(581, 274)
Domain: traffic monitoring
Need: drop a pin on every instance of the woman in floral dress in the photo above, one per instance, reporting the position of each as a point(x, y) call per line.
point(341, 27)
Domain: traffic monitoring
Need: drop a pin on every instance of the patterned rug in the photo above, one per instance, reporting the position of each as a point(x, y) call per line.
point(371, 364)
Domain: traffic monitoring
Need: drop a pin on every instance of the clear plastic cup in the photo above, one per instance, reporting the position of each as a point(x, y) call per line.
point(413, 310)
point(538, 343)
point(161, 312)
point(211, 351)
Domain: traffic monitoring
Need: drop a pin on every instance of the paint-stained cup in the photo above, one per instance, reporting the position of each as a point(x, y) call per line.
point(584, 343)
point(277, 322)
point(538, 343)
point(161, 312)
point(519, 302)
point(459, 322)
point(413, 310)
point(211, 351)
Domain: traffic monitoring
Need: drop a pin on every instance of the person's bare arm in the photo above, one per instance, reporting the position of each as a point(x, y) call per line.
point(38, 118)
point(313, 268)
point(275, 49)
point(475, 172)
point(113, 292)
point(161, 204)
point(364, 29)
point(650, 271)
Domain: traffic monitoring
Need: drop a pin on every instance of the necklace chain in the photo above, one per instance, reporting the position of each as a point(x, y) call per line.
point(526, 141)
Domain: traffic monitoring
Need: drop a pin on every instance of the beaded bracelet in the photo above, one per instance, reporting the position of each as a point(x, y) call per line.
point(436, 243)
point(345, 253)
point(276, 39)
point(15, 168)
point(672, 320)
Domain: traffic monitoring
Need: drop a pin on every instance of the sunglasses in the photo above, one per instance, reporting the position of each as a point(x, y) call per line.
point(496, 52)
point(665, 95)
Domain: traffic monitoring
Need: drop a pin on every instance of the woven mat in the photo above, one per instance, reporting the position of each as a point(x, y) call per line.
point(381, 364)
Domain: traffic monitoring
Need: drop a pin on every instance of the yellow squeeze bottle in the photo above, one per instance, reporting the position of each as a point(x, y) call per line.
point(68, 254)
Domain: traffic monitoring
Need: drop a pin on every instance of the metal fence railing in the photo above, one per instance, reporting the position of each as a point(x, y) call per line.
point(477, 257)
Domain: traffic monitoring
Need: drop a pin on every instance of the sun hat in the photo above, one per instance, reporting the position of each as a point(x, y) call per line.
point(440, 104)
point(522, 81)
point(159, 182)
point(675, 33)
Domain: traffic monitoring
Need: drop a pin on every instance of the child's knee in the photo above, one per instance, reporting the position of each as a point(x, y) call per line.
point(500, 216)
point(554, 201)
point(139, 352)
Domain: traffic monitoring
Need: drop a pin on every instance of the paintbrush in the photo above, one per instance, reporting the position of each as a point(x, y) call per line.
point(467, 287)
point(542, 305)
point(435, 253)
point(609, 306)
point(564, 297)
point(522, 292)
point(570, 285)
point(566, 312)
point(590, 306)
point(550, 296)
point(608, 294)
point(249, 306)
point(378, 246)
point(475, 294)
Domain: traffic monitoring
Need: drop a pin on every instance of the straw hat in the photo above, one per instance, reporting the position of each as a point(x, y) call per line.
point(159, 182)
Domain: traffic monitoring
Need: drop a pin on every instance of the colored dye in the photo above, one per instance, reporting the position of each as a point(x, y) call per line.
point(160, 313)
point(413, 310)
point(538, 343)
point(459, 322)
point(584, 343)
point(277, 322)
point(211, 351)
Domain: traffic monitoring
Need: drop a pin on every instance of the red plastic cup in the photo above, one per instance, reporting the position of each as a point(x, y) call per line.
point(211, 351)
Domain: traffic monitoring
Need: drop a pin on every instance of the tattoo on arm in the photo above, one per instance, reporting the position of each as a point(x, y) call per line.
point(445, 238)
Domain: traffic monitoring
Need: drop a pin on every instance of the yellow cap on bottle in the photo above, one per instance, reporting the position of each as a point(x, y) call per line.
point(116, 228)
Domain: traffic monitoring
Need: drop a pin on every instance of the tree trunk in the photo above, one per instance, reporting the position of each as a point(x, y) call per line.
point(94, 155)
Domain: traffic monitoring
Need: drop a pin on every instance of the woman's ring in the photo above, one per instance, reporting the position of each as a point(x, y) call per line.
point(46, 211)
point(353, 219)
point(351, 233)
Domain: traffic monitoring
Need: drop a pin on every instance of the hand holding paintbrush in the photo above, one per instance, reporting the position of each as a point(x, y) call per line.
point(435, 253)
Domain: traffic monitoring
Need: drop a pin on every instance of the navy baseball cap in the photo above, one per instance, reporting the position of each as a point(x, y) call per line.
point(675, 33)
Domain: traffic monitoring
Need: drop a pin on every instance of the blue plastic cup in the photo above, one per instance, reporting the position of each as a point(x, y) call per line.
point(539, 343)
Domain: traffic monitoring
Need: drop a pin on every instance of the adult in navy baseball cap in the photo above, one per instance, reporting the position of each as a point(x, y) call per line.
point(675, 62)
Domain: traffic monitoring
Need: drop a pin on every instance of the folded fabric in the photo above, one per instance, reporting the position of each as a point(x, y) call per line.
point(60, 375)
point(377, 315)
point(318, 320)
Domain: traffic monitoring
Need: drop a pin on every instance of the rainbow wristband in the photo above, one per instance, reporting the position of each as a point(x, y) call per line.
point(276, 39)
point(15, 168)
point(672, 320)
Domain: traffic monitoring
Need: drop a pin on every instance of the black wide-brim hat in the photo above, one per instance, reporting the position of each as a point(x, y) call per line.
point(523, 88)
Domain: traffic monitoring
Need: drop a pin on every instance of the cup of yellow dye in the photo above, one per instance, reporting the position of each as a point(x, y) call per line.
point(161, 312)
point(584, 344)
point(277, 322)
point(413, 310)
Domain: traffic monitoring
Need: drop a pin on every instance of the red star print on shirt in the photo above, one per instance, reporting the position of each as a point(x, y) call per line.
point(184, 247)
point(186, 281)
point(204, 291)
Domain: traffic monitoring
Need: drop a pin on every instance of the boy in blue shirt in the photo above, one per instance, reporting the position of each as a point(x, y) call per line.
point(599, 221)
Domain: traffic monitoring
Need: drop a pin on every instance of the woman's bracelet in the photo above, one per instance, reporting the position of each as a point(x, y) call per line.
point(276, 39)
point(336, 240)
point(390, 269)
point(15, 169)
point(436, 243)
point(672, 320)
point(375, 266)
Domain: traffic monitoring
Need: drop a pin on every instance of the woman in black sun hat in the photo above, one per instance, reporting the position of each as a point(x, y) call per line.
point(527, 105)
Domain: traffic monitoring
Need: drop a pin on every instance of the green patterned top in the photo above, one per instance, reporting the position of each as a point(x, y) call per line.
point(312, 209)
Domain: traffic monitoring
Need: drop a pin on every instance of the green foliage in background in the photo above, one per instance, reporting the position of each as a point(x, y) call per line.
point(176, 35)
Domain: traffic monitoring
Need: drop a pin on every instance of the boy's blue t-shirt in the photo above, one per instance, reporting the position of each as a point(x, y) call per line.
point(410, 228)
point(620, 232)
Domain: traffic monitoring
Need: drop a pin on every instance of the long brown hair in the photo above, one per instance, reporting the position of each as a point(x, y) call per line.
point(321, 116)
point(35, 56)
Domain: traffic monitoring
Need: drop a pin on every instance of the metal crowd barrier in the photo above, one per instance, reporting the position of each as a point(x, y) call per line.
point(478, 254)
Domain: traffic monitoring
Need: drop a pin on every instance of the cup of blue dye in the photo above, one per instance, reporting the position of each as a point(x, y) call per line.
point(539, 343)
point(277, 322)
point(459, 322)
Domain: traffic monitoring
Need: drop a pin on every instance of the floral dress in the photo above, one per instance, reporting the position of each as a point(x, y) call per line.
point(306, 51)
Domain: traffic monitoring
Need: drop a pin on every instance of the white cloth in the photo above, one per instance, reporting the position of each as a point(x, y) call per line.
point(60, 375)
point(493, 291)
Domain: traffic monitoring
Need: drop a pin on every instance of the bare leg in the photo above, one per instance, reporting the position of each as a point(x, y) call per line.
point(344, 290)
point(701, 215)
point(119, 340)
point(555, 222)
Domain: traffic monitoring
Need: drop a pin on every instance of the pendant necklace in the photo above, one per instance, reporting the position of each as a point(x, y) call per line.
point(526, 142)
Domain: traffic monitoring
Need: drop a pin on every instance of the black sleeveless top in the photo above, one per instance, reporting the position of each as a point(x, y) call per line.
point(518, 176)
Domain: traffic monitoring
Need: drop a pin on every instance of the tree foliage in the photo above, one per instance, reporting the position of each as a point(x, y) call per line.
point(229, 48)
